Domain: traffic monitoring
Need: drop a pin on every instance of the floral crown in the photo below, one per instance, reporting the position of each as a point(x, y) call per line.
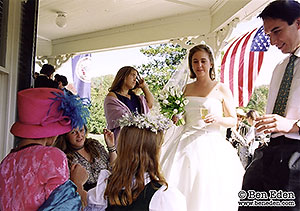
point(153, 123)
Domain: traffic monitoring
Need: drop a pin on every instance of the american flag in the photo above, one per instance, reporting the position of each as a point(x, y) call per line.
point(242, 62)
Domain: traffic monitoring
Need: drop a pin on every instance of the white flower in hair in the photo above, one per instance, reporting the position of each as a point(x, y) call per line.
point(145, 121)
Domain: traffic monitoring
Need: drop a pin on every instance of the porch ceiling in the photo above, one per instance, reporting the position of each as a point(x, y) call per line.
point(98, 25)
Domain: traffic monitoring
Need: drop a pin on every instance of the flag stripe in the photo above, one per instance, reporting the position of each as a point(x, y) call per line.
point(241, 64)
point(250, 72)
point(224, 60)
point(260, 60)
point(241, 70)
point(252, 79)
point(232, 61)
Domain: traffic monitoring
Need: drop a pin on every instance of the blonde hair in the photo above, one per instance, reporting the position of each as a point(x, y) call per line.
point(138, 153)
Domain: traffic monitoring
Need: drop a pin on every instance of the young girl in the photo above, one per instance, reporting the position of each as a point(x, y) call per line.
point(136, 182)
point(88, 152)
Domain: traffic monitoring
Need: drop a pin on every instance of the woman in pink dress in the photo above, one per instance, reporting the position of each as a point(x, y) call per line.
point(35, 175)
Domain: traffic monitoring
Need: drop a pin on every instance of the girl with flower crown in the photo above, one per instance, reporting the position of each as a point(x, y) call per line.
point(198, 160)
point(136, 182)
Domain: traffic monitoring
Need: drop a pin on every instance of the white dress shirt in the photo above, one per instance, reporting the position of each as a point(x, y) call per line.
point(293, 103)
point(162, 200)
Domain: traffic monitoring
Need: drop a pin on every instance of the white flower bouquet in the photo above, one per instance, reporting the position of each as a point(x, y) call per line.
point(172, 102)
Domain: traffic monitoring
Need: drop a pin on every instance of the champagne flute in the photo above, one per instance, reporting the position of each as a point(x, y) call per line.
point(203, 112)
point(258, 135)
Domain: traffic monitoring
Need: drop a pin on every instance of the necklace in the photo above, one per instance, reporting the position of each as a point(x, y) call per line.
point(88, 158)
point(76, 148)
point(125, 95)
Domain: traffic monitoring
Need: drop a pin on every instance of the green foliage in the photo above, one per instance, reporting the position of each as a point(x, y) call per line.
point(218, 67)
point(96, 122)
point(258, 99)
point(163, 61)
point(99, 90)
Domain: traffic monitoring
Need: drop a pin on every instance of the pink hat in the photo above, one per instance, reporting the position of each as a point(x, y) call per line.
point(42, 113)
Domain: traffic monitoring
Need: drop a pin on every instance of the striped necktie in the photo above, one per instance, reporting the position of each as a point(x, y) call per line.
point(284, 89)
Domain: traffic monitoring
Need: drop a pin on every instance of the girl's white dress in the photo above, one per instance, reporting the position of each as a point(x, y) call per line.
point(198, 160)
point(169, 199)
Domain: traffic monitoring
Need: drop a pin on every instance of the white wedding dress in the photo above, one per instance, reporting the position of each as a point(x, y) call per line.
point(199, 161)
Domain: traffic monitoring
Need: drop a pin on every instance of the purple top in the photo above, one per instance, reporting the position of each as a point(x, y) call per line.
point(133, 103)
point(114, 109)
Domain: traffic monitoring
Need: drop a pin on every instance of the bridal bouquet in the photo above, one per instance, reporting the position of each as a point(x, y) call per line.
point(172, 102)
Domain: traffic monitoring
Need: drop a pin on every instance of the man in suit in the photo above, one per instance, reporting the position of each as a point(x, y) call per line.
point(276, 167)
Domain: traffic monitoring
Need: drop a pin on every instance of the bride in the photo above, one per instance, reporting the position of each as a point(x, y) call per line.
point(199, 160)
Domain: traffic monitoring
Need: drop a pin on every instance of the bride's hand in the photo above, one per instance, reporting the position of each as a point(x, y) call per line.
point(175, 119)
point(211, 118)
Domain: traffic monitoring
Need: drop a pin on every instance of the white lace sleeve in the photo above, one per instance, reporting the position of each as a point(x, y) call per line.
point(95, 196)
point(167, 200)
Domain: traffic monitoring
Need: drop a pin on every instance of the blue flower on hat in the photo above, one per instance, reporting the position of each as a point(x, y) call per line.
point(73, 107)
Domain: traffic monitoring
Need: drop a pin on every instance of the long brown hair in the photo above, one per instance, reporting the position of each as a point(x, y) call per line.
point(206, 49)
point(138, 153)
point(62, 142)
point(120, 78)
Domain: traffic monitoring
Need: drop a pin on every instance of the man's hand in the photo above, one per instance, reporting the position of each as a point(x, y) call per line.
point(273, 123)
